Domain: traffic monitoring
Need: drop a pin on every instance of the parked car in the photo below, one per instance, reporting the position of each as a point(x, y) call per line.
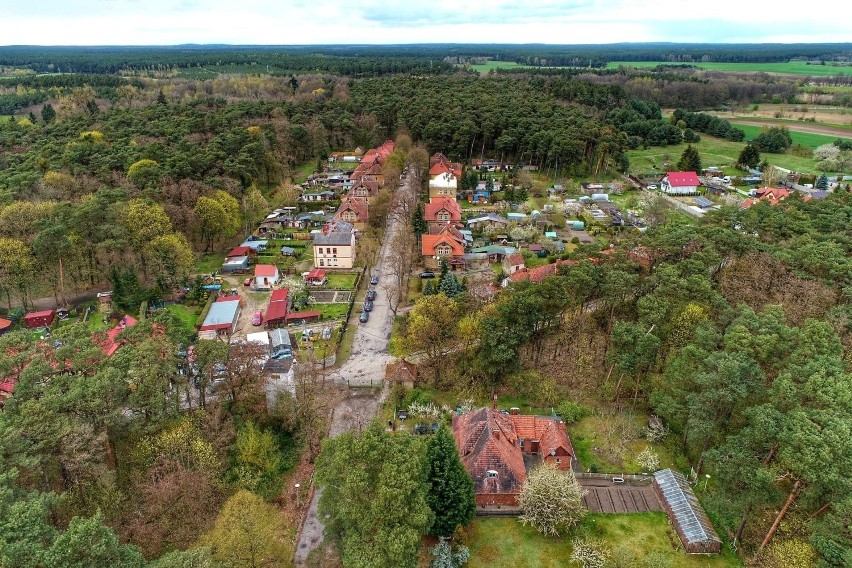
point(371, 295)
point(364, 317)
point(257, 318)
point(374, 280)
point(368, 306)
point(247, 281)
point(652, 187)
point(427, 274)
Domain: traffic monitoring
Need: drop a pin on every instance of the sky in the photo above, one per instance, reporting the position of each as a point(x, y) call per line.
point(301, 22)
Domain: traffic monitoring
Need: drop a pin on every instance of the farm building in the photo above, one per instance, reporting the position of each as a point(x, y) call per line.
point(685, 513)
point(223, 316)
point(39, 319)
point(276, 312)
point(235, 264)
point(265, 275)
point(680, 183)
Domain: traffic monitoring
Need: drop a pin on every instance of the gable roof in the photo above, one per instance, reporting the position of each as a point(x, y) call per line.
point(487, 441)
point(437, 204)
point(337, 233)
point(108, 343)
point(516, 259)
point(550, 433)
point(356, 204)
point(439, 168)
point(239, 251)
point(680, 179)
point(449, 235)
point(221, 315)
point(277, 309)
point(401, 371)
point(685, 510)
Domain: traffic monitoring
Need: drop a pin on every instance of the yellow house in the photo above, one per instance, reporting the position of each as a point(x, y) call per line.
point(334, 247)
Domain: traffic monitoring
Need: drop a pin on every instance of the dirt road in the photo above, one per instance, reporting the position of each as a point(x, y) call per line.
point(365, 367)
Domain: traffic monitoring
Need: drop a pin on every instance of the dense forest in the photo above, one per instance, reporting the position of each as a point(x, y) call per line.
point(383, 60)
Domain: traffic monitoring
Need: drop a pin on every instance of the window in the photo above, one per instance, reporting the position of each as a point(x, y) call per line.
point(322, 262)
point(443, 250)
point(334, 250)
point(443, 216)
point(558, 461)
point(490, 474)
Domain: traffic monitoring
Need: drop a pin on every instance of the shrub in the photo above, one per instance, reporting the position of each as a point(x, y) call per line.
point(571, 412)
point(589, 554)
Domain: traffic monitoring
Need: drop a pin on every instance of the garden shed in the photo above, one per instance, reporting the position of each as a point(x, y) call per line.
point(39, 319)
point(686, 514)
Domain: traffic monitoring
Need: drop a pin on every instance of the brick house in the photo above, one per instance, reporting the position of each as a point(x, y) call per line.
point(497, 449)
point(442, 211)
point(447, 245)
point(353, 211)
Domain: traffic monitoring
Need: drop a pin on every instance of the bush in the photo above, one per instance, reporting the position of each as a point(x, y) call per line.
point(571, 412)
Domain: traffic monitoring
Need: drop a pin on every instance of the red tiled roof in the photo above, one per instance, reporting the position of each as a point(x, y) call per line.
point(436, 204)
point(487, 442)
point(109, 345)
point(279, 295)
point(771, 195)
point(439, 168)
point(4, 323)
point(315, 274)
point(227, 299)
point(356, 204)
point(550, 432)
point(265, 270)
point(515, 259)
point(680, 179)
point(448, 235)
point(239, 251)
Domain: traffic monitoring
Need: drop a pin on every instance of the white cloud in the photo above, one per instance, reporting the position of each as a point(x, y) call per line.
point(165, 22)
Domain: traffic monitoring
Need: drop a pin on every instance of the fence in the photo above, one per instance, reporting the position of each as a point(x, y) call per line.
point(627, 478)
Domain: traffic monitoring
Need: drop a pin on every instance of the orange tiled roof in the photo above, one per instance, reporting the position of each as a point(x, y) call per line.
point(436, 204)
point(356, 204)
point(449, 235)
point(487, 442)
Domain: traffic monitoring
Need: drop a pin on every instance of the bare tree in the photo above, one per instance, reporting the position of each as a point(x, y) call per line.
point(400, 262)
point(310, 408)
point(245, 378)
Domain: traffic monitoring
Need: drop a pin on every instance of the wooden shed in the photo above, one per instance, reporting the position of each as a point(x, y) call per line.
point(39, 319)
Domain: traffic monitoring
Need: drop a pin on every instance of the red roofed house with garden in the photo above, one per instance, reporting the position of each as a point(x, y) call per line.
point(680, 183)
point(497, 449)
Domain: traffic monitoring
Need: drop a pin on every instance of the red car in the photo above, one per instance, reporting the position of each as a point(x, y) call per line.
point(257, 318)
point(247, 281)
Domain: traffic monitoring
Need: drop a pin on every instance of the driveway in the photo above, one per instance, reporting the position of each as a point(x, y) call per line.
point(365, 367)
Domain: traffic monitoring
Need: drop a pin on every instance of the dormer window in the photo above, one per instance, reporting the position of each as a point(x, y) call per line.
point(443, 250)
point(444, 216)
point(490, 474)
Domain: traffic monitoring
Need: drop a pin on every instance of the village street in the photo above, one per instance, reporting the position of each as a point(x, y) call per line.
point(364, 368)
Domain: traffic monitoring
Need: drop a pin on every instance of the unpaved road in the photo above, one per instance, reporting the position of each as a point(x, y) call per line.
point(365, 367)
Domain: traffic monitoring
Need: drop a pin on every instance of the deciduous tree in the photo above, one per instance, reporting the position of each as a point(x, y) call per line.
point(552, 500)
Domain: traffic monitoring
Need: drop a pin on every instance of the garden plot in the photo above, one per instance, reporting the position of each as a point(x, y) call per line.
point(330, 296)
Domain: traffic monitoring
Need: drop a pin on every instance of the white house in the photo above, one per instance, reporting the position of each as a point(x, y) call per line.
point(444, 185)
point(680, 183)
point(334, 246)
point(265, 275)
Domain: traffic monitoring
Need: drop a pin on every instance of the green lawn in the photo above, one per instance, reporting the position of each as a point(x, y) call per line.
point(789, 67)
point(331, 311)
point(713, 152)
point(505, 542)
point(804, 138)
point(341, 281)
point(301, 173)
point(209, 262)
point(188, 315)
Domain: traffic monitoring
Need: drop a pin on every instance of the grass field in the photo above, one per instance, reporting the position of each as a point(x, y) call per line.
point(804, 138)
point(341, 281)
point(505, 543)
point(714, 152)
point(188, 315)
point(331, 311)
point(787, 68)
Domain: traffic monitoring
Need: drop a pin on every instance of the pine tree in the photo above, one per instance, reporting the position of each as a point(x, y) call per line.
point(161, 98)
point(449, 285)
point(821, 183)
point(450, 494)
point(48, 113)
point(749, 156)
point(445, 268)
point(429, 290)
point(689, 161)
point(418, 220)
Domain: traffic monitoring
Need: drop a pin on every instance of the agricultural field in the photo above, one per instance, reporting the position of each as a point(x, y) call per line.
point(809, 139)
point(502, 542)
point(714, 152)
point(784, 68)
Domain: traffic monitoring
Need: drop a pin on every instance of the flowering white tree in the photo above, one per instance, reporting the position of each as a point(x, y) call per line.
point(552, 500)
point(648, 460)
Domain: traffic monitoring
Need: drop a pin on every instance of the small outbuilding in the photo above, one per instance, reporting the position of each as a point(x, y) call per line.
point(265, 275)
point(235, 265)
point(39, 319)
point(223, 316)
point(5, 325)
point(685, 513)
